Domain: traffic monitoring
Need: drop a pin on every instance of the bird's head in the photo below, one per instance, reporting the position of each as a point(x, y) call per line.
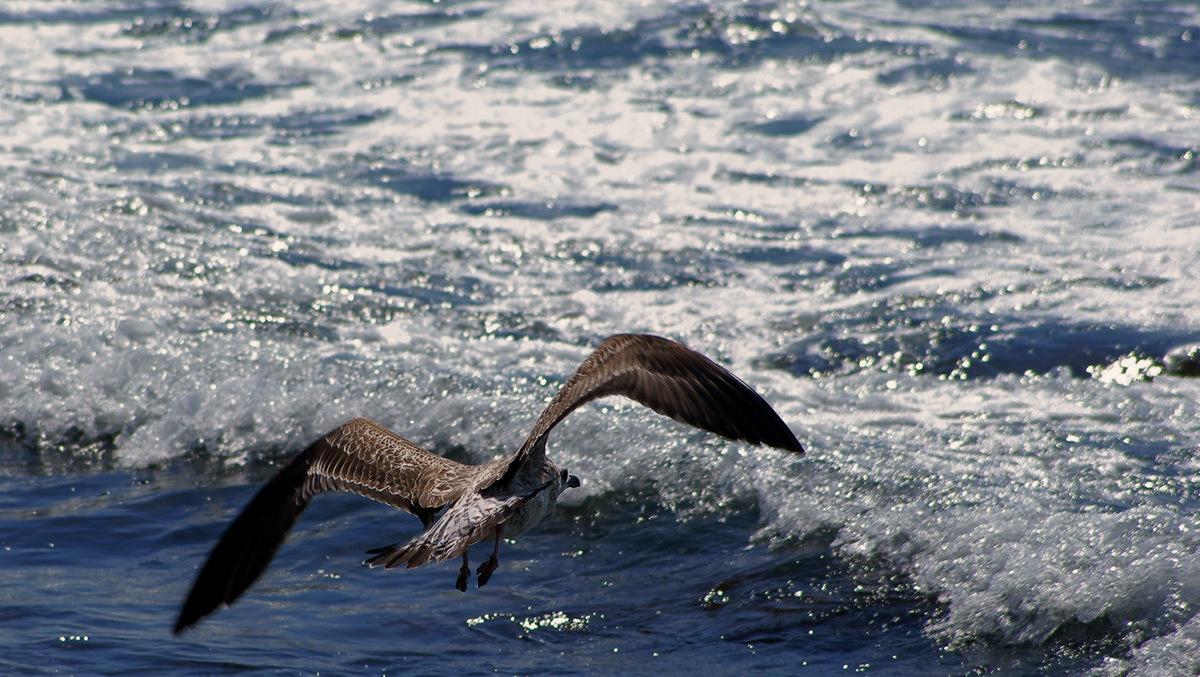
point(566, 480)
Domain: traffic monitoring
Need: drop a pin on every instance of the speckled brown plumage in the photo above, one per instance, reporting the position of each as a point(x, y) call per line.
point(505, 497)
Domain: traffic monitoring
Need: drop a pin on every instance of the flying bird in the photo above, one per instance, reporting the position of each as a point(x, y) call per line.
point(460, 504)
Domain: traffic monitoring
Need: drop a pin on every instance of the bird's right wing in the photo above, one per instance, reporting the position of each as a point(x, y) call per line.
point(359, 456)
point(669, 378)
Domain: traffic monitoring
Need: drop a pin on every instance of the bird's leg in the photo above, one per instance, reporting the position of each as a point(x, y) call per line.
point(463, 574)
point(487, 568)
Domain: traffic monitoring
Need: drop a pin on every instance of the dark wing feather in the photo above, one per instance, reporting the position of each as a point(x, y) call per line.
point(248, 544)
point(359, 456)
point(669, 378)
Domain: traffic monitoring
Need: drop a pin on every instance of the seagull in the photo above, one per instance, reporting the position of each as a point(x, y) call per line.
point(500, 499)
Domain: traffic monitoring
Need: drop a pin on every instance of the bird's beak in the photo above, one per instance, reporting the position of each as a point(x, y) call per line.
point(572, 481)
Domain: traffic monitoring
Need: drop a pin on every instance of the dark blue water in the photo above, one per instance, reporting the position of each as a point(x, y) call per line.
point(954, 244)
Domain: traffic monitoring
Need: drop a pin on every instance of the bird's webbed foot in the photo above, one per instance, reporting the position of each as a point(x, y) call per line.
point(489, 567)
point(463, 574)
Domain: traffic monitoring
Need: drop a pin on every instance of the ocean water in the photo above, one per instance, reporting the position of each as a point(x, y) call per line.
point(954, 243)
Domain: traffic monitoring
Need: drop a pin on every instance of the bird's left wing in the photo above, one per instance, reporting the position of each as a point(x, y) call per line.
point(359, 456)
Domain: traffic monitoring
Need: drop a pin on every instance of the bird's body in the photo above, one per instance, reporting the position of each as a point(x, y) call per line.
point(461, 504)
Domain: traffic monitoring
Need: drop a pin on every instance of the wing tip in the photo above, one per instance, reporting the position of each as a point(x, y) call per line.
point(195, 608)
point(181, 625)
point(782, 439)
point(793, 446)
